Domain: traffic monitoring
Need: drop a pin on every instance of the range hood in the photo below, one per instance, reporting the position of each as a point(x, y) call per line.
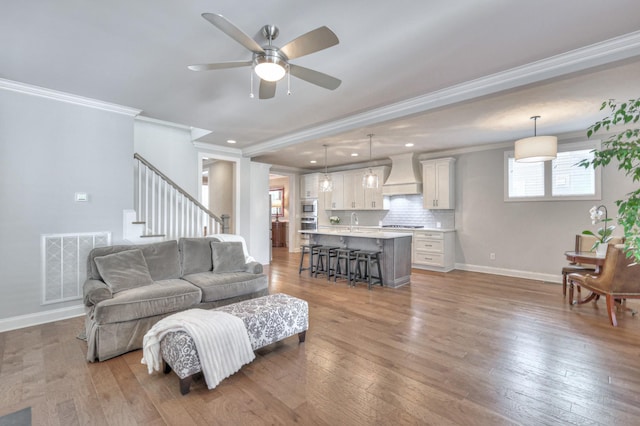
point(405, 177)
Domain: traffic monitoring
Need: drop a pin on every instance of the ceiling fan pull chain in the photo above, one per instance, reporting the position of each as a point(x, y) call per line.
point(251, 95)
point(288, 80)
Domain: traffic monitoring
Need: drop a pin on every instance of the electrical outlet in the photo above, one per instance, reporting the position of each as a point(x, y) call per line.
point(492, 256)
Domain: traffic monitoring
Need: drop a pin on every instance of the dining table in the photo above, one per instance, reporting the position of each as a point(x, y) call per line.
point(586, 258)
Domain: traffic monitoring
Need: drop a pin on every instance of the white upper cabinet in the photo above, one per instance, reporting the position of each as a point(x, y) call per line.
point(337, 195)
point(309, 185)
point(348, 192)
point(353, 190)
point(438, 179)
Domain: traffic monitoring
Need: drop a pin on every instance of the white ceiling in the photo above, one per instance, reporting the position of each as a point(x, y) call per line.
point(441, 74)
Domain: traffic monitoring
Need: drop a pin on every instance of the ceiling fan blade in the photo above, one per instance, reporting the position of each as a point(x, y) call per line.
point(314, 77)
point(267, 89)
point(224, 25)
point(313, 41)
point(220, 65)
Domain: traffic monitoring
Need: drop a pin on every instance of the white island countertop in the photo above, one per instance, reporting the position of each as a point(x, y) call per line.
point(360, 234)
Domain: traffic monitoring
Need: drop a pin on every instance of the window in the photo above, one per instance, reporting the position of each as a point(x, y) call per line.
point(559, 179)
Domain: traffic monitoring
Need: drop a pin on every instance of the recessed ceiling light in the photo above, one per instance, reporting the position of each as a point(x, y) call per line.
point(230, 141)
point(354, 154)
point(408, 145)
point(313, 161)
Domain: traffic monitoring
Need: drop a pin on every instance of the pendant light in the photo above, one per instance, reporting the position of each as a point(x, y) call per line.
point(326, 184)
point(537, 148)
point(370, 179)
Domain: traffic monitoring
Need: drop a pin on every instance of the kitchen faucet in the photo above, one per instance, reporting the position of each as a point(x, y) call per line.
point(354, 218)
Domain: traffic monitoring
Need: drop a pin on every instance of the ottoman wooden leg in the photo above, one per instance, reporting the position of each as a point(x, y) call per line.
point(185, 384)
point(301, 336)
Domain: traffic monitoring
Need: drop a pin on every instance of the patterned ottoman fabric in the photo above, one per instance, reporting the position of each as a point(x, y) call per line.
point(268, 319)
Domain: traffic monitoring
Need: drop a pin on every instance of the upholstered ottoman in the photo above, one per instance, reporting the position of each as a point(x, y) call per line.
point(268, 319)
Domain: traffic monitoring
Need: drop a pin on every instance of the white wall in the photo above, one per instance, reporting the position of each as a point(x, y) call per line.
point(259, 213)
point(222, 190)
point(525, 236)
point(170, 149)
point(48, 151)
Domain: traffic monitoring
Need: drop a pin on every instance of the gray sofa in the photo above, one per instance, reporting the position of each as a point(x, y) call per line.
point(131, 287)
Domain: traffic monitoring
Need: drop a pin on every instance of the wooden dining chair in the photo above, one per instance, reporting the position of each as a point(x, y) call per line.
point(619, 280)
point(582, 243)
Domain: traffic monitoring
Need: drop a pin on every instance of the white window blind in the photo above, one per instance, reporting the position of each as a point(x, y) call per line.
point(569, 179)
point(525, 179)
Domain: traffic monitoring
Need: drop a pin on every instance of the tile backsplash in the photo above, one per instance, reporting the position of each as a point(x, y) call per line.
point(403, 210)
point(408, 210)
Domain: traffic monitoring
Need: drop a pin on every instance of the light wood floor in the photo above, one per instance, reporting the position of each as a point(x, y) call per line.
point(456, 348)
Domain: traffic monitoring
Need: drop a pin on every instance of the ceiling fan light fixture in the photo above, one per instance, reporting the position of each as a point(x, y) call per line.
point(536, 148)
point(270, 68)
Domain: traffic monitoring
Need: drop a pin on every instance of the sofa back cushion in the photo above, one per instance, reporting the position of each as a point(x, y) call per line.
point(195, 255)
point(227, 257)
point(162, 259)
point(124, 270)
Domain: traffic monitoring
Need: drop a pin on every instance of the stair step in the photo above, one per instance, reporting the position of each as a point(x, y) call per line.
point(138, 223)
point(152, 235)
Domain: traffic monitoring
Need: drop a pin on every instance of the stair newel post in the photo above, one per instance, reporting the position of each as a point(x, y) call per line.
point(225, 223)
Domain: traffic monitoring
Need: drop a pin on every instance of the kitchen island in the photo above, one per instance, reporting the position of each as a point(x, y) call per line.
point(395, 259)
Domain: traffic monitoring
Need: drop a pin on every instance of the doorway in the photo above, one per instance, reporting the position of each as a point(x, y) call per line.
point(218, 188)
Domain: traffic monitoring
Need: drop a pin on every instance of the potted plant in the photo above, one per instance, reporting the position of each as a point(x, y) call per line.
point(624, 146)
point(603, 235)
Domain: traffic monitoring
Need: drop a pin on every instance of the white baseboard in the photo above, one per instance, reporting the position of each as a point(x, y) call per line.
point(29, 320)
point(549, 278)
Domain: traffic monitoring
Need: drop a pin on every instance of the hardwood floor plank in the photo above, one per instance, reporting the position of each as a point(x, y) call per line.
point(455, 348)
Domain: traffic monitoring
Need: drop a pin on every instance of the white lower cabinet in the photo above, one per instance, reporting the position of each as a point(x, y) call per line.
point(434, 250)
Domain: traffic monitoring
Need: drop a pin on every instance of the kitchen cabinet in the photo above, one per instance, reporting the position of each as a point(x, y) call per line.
point(434, 250)
point(278, 234)
point(357, 197)
point(353, 192)
point(309, 185)
point(337, 195)
point(438, 179)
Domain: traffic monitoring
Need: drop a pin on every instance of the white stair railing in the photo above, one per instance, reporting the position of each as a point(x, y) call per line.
point(167, 210)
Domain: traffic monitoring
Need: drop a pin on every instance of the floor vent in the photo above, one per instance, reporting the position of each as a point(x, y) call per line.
point(64, 263)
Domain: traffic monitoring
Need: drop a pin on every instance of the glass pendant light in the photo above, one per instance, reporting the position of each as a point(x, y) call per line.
point(326, 184)
point(370, 179)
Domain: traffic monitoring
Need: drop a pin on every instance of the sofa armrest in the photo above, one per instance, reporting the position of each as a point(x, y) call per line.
point(95, 291)
point(254, 267)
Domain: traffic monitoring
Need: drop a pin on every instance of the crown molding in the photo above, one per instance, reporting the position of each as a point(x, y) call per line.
point(608, 51)
point(163, 123)
point(210, 148)
point(42, 92)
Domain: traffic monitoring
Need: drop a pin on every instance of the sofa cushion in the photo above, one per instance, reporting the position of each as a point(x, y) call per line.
point(162, 259)
point(158, 298)
point(223, 286)
point(227, 257)
point(124, 270)
point(195, 255)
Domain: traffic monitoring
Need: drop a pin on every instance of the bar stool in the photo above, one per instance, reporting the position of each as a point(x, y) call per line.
point(344, 258)
point(312, 250)
point(323, 261)
point(367, 260)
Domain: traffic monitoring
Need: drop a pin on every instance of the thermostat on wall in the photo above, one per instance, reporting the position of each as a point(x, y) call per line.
point(82, 196)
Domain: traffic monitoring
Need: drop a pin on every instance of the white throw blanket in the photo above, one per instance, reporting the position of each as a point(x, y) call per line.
point(220, 338)
point(233, 237)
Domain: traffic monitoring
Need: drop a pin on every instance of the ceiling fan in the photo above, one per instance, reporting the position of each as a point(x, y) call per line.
point(271, 63)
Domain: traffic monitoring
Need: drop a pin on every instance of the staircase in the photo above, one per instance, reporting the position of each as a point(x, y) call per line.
point(164, 211)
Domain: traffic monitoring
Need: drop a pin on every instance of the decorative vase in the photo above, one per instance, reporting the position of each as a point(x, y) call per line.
point(601, 250)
